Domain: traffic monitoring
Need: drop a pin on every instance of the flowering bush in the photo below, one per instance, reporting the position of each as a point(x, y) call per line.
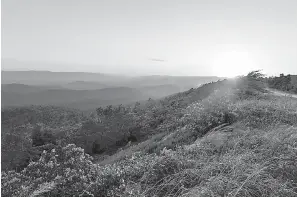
point(64, 171)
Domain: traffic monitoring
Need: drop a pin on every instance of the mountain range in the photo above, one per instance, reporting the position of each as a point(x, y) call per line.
point(86, 91)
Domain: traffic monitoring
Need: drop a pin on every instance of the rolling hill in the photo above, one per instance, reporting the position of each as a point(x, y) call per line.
point(24, 89)
point(222, 139)
point(87, 91)
point(53, 78)
point(92, 80)
point(85, 85)
point(79, 99)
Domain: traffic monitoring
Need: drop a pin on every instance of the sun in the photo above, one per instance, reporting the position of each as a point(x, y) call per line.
point(232, 64)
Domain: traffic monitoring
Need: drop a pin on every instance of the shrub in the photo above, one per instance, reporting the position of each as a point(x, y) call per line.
point(283, 83)
point(14, 152)
point(64, 171)
point(251, 85)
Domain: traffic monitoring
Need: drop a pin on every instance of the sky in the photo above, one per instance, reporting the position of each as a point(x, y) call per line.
point(145, 37)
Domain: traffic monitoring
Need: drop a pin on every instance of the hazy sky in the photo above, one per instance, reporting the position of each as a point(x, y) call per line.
point(193, 37)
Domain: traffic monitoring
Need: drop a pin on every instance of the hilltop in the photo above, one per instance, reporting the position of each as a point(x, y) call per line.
point(227, 138)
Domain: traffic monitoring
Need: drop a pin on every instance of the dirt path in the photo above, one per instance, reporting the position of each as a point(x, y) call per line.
point(279, 93)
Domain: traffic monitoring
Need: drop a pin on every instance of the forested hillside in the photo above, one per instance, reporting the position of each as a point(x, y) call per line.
point(228, 138)
point(104, 130)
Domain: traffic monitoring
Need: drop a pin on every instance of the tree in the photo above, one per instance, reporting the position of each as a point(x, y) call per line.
point(37, 137)
point(256, 81)
point(251, 85)
point(283, 83)
point(41, 137)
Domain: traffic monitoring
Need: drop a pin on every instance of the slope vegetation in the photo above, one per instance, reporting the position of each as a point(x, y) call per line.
point(222, 139)
point(283, 83)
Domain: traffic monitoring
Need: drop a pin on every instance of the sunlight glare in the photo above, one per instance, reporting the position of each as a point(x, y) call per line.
point(232, 64)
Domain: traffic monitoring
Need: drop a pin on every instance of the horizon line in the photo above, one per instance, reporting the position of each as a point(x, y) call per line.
point(90, 72)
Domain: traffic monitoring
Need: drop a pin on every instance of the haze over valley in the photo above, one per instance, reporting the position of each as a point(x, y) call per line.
point(86, 91)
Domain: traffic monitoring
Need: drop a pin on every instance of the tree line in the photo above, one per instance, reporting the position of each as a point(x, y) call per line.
point(283, 82)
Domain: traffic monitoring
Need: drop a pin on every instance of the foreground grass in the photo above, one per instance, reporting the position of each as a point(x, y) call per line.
point(240, 163)
point(255, 155)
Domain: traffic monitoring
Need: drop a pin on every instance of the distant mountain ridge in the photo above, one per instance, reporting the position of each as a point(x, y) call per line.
point(86, 85)
point(64, 97)
point(82, 90)
point(49, 77)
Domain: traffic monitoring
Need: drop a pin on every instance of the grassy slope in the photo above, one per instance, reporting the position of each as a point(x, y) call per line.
point(254, 155)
